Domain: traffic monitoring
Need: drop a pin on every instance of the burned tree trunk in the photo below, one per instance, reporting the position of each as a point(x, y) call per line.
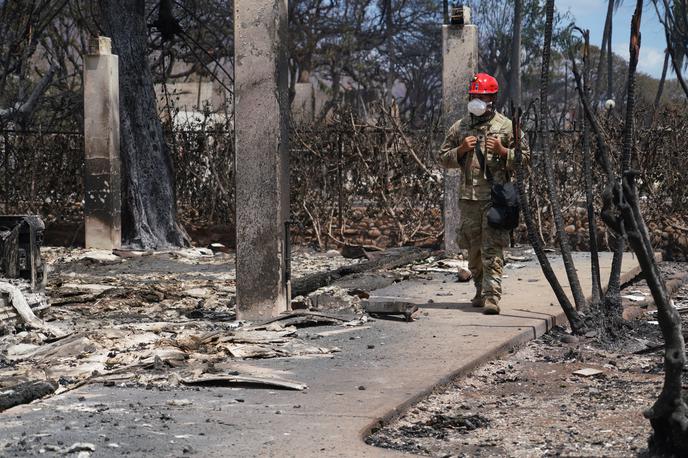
point(577, 291)
point(587, 171)
point(611, 315)
point(515, 58)
point(669, 414)
point(575, 320)
point(149, 208)
point(662, 80)
point(605, 40)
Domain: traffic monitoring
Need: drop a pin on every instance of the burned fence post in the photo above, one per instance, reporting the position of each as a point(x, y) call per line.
point(103, 198)
point(261, 145)
point(459, 64)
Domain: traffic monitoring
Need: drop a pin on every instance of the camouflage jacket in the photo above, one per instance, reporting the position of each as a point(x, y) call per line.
point(474, 185)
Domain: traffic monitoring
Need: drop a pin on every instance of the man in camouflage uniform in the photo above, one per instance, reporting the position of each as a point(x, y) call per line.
point(492, 133)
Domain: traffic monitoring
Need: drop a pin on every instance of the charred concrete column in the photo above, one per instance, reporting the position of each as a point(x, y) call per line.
point(103, 198)
point(262, 170)
point(459, 64)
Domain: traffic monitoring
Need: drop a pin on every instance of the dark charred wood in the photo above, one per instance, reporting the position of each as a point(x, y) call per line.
point(25, 392)
point(669, 414)
point(149, 209)
point(387, 260)
point(575, 320)
point(552, 191)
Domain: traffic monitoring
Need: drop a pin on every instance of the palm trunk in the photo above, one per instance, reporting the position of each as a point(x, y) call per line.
point(603, 47)
point(587, 170)
point(660, 89)
point(610, 60)
point(576, 290)
point(669, 415)
point(575, 320)
point(391, 55)
point(515, 85)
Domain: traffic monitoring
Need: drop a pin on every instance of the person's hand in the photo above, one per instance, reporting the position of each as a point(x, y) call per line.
point(468, 144)
point(494, 144)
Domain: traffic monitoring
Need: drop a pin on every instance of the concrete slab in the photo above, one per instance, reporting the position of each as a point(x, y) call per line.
point(380, 371)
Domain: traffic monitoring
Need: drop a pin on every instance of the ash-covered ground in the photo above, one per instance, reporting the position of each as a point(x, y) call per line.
point(533, 403)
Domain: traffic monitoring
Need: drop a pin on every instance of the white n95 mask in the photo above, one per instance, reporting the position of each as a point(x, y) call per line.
point(477, 107)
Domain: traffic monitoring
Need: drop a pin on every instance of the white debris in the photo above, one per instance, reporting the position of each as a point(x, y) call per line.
point(634, 297)
point(588, 372)
point(179, 402)
point(195, 253)
point(198, 293)
point(100, 256)
point(80, 447)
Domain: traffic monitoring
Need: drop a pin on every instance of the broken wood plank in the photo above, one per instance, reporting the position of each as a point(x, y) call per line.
point(390, 259)
point(220, 380)
point(20, 304)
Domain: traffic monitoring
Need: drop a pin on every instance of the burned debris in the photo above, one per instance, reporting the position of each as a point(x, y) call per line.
point(23, 274)
point(21, 237)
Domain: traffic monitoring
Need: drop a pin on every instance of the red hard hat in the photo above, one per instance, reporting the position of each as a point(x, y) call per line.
point(483, 83)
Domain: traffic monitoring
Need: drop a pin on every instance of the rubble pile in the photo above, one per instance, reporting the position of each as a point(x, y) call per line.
point(156, 319)
point(167, 319)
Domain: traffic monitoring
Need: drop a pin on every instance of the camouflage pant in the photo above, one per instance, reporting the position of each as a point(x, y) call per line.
point(485, 247)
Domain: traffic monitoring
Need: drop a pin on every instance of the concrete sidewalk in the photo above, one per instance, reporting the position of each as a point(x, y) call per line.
point(380, 371)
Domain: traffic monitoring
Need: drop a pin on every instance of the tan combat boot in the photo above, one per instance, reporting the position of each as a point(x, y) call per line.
point(491, 307)
point(477, 300)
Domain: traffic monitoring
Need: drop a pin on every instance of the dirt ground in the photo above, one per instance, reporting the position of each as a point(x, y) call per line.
point(532, 403)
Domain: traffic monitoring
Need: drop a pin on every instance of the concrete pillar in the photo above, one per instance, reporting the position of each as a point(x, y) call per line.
point(262, 169)
point(303, 105)
point(102, 188)
point(459, 64)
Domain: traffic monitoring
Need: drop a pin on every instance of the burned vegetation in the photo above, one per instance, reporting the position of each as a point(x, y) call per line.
point(266, 211)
